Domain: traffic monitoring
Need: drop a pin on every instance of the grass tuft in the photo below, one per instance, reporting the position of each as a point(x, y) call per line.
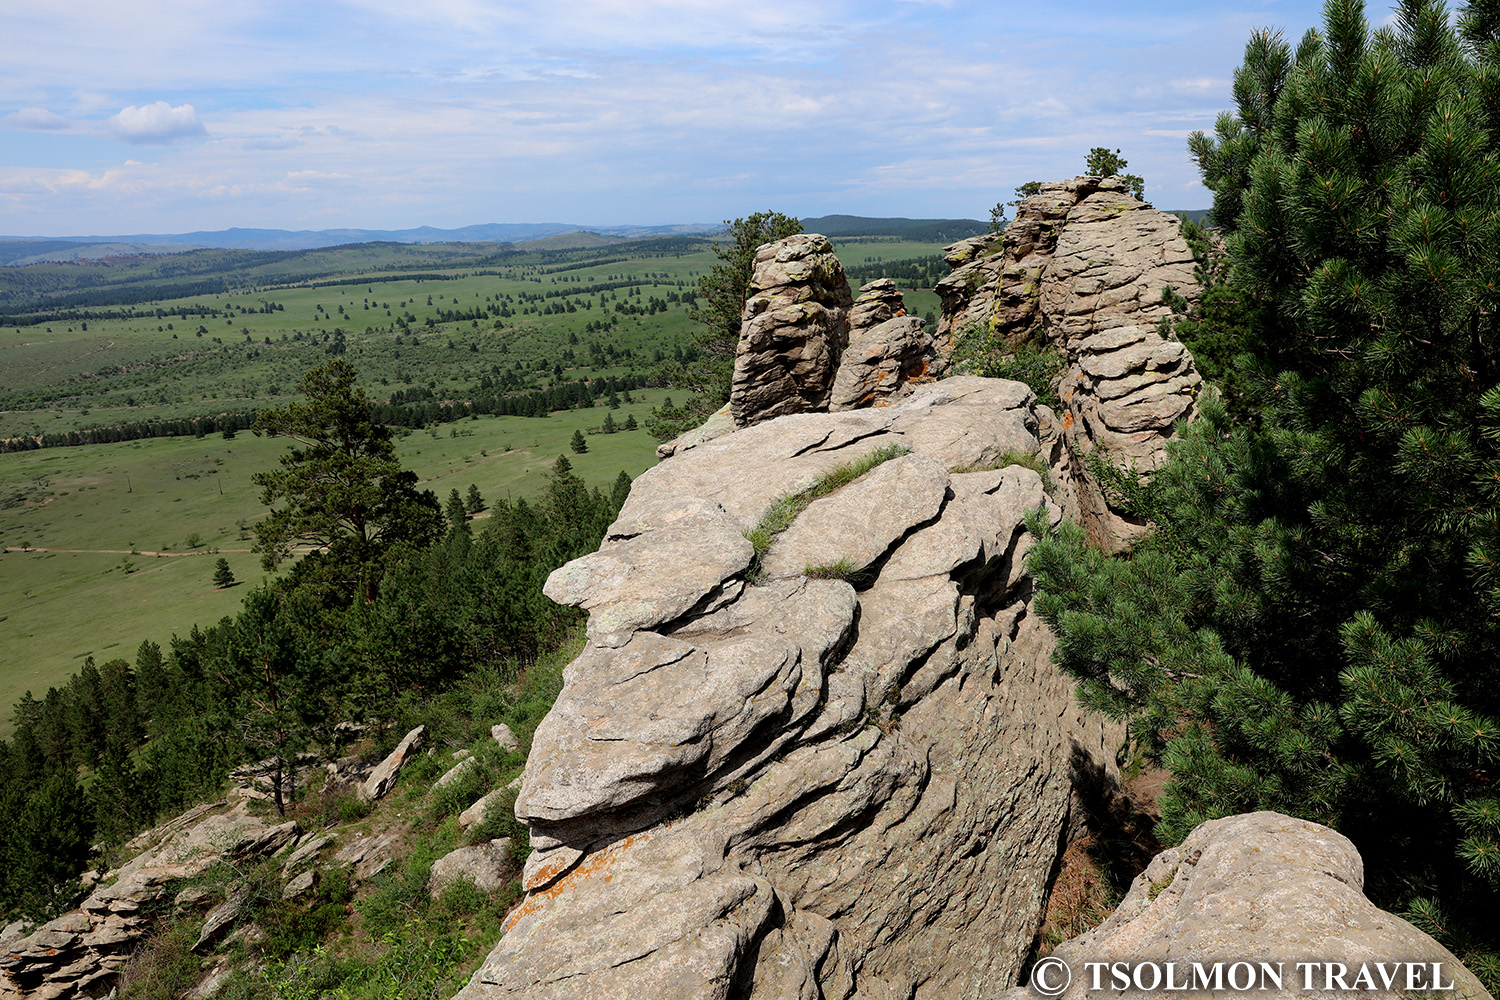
point(780, 515)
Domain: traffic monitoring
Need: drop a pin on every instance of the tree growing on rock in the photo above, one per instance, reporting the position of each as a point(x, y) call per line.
point(721, 300)
point(1101, 162)
point(1315, 626)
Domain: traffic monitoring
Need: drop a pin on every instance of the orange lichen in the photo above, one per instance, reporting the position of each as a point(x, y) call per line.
point(591, 865)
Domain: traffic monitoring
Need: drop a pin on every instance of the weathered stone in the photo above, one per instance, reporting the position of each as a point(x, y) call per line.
point(1082, 268)
point(506, 739)
point(455, 773)
point(1261, 887)
point(719, 423)
point(794, 327)
point(858, 525)
point(878, 302)
point(619, 584)
point(883, 360)
point(800, 789)
point(305, 853)
point(475, 814)
point(300, 885)
point(485, 865)
point(221, 918)
point(383, 778)
point(364, 852)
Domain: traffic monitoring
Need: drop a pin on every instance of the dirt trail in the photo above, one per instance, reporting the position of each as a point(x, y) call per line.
point(79, 358)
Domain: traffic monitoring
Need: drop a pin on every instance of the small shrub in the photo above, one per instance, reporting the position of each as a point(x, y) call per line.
point(977, 352)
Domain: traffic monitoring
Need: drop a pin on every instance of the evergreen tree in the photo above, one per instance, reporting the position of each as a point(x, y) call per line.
point(473, 501)
point(458, 514)
point(1315, 626)
point(609, 424)
point(223, 575)
point(578, 444)
point(630, 423)
point(1102, 163)
point(342, 490)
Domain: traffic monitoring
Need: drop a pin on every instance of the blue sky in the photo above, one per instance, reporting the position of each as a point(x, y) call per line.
point(177, 115)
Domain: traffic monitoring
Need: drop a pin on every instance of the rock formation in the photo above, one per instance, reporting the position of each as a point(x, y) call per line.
point(888, 351)
point(838, 766)
point(1261, 887)
point(82, 950)
point(793, 330)
point(1082, 268)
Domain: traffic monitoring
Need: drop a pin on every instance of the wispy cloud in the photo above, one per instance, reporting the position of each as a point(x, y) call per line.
point(38, 119)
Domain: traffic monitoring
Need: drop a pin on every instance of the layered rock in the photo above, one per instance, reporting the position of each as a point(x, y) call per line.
point(888, 351)
point(878, 301)
point(794, 328)
point(1261, 887)
point(764, 780)
point(80, 952)
point(1082, 267)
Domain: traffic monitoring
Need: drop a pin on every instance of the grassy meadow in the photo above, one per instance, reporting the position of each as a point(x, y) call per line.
point(106, 545)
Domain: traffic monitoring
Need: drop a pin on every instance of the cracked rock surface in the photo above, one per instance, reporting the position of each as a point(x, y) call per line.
point(1082, 268)
point(777, 786)
point(1260, 887)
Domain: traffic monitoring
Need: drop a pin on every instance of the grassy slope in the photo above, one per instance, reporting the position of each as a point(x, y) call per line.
point(151, 495)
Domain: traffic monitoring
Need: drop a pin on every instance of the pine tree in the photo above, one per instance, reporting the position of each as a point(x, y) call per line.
point(473, 501)
point(610, 426)
point(578, 444)
point(223, 575)
point(458, 514)
point(1315, 626)
point(630, 423)
point(343, 490)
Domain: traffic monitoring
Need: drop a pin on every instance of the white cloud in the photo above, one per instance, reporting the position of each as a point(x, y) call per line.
point(155, 124)
point(38, 119)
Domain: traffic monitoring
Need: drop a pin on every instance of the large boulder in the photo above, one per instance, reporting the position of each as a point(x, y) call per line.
point(777, 785)
point(383, 778)
point(1082, 268)
point(793, 330)
point(888, 351)
point(1259, 887)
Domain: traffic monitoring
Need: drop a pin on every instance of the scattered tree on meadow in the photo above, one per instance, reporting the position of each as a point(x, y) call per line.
point(223, 575)
point(458, 514)
point(578, 444)
point(473, 500)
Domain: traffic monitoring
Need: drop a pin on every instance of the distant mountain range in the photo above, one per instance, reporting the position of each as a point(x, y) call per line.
point(16, 251)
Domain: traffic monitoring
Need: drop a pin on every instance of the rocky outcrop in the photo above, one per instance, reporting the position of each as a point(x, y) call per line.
point(888, 351)
point(1260, 887)
point(841, 766)
point(80, 952)
point(1082, 268)
point(383, 778)
point(484, 865)
point(878, 301)
point(794, 328)
point(967, 293)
